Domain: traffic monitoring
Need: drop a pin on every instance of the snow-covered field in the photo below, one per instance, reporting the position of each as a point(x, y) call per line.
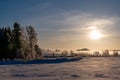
point(93, 68)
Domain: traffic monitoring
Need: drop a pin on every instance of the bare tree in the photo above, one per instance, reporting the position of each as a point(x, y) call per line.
point(32, 35)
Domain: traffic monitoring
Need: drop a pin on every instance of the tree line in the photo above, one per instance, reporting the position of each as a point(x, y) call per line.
point(19, 43)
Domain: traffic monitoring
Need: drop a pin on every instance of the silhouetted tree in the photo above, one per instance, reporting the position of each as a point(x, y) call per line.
point(38, 51)
point(96, 53)
point(19, 43)
point(105, 53)
point(72, 53)
point(115, 53)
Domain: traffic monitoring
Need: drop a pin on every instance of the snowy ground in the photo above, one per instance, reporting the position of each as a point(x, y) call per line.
point(94, 68)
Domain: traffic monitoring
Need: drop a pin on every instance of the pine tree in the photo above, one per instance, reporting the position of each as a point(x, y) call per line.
point(19, 43)
point(17, 32)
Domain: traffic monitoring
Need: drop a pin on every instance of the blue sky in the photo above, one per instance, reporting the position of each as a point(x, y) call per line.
point(66, 24)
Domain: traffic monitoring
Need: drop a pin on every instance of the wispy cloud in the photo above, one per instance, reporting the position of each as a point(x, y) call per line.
point(76, 23)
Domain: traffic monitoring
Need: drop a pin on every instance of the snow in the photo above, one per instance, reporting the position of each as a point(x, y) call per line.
point(91, 68)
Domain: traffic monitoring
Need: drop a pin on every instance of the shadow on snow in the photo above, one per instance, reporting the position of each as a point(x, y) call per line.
point(40, 61)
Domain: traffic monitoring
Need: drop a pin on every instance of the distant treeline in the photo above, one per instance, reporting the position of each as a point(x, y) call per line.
point(19, 43)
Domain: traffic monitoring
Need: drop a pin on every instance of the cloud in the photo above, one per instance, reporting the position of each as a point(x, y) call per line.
point(75, 23)
point(66, 29)
point(81, 22)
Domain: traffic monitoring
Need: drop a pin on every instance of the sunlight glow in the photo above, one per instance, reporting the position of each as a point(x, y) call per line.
point(95, 34)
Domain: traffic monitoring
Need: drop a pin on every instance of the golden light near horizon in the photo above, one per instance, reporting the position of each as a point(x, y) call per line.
point(95, 34)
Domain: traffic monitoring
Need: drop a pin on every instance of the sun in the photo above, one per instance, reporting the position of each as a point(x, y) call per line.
point(95, 34)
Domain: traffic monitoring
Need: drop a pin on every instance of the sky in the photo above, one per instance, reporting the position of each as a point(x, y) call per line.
point(67, 24)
